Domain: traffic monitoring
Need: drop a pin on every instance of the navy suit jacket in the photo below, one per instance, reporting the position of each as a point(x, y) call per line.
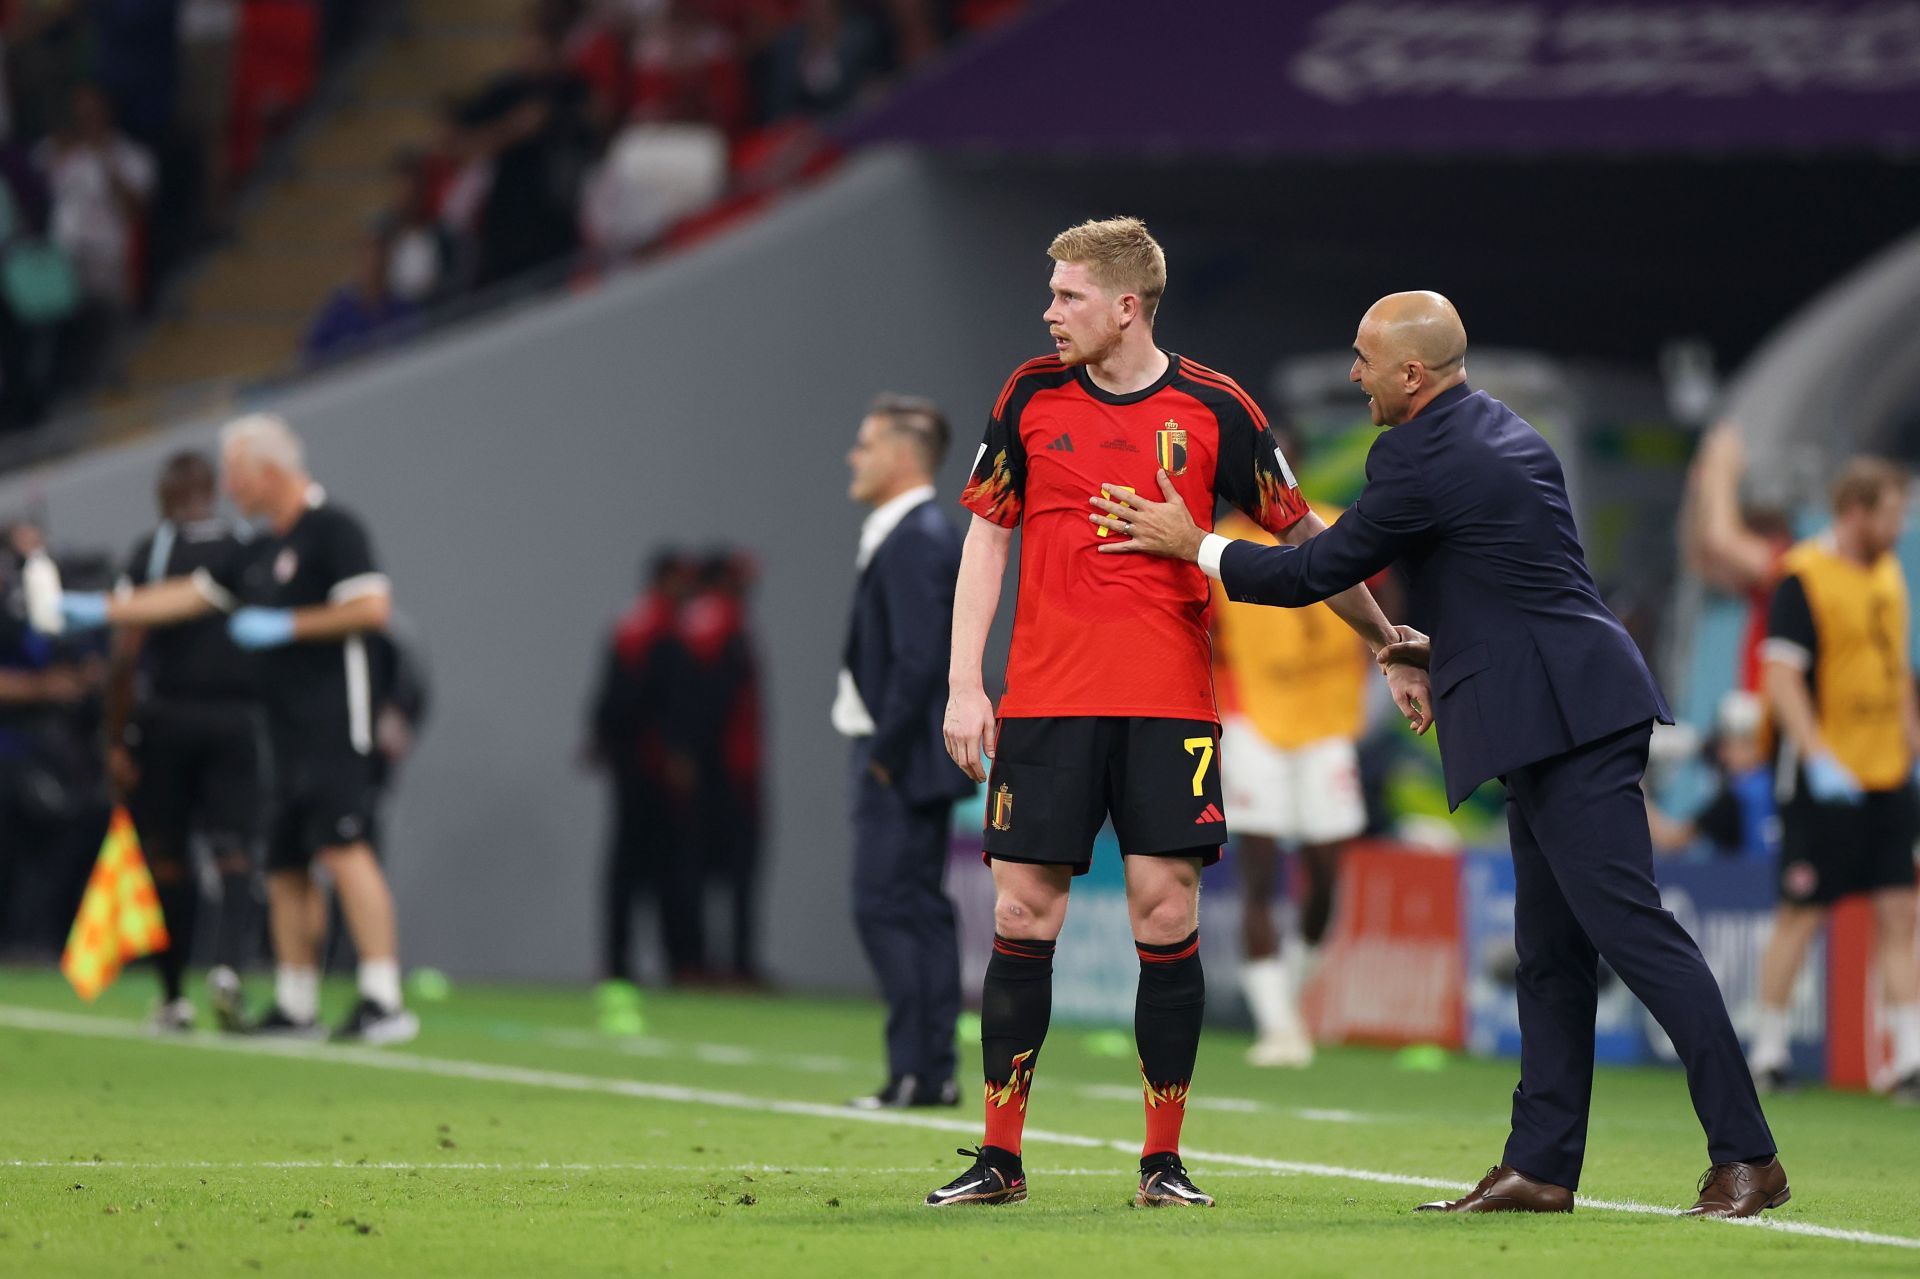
point(897, 652)
point(1471, 503)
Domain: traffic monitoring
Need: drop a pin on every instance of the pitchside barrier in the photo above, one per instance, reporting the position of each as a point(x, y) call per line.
point(1421, 952)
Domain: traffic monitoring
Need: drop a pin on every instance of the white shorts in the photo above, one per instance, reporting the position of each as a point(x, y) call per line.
point(1306, 796)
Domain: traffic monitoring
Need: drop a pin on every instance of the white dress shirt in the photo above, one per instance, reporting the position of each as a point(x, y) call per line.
point(850, 715)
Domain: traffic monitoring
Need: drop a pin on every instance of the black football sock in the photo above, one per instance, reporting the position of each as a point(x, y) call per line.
point(1016, 1004)
point(179, 902)
point(236, 928)
point(1167, 1011)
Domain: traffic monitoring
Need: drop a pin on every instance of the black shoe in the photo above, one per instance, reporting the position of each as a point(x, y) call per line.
point(995, 1178)
point(278, 1024)
point(1775, 1081)
point(373, 1024)
point(1906, 1089)
point(895, 1094)
point(945, 1093)
point(1164, 1184)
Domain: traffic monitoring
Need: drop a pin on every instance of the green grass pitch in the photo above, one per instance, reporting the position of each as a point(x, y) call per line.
point(513, 1139)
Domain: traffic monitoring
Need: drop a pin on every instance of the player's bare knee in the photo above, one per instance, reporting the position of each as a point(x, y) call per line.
point(1166, 919)
point(1014, 917)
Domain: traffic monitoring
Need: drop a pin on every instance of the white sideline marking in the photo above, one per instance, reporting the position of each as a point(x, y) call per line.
point(397, 1165)
point(489, 1072)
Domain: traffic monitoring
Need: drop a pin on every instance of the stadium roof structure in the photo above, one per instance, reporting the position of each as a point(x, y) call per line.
point(1322, 77)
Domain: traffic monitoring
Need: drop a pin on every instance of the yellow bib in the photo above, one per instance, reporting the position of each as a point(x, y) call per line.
point(1300, 673)
point(1860, 666)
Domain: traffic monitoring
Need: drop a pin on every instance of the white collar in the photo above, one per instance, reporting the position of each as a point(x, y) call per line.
point(885, 518)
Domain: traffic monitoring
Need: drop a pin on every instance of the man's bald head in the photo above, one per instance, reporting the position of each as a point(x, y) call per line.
point(1409, 348)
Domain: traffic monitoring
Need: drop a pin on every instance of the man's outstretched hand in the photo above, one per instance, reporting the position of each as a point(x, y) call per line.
point(1404, 663)
point(1158, 528)
point(1409, 648)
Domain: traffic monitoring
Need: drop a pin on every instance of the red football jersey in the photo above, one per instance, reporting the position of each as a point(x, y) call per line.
point(1101, 634)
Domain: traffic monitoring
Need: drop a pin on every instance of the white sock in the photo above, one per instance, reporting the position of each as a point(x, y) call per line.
point(380, 982)
point(297, 992)
point(1904, 1022)
point(1771, 1050)
point(1269, 991)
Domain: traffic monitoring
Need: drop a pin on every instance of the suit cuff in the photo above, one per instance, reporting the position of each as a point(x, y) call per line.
point(1212, 547)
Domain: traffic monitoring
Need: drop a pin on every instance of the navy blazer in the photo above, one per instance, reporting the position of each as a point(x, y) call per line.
point(897, 652)
point(1471, 503)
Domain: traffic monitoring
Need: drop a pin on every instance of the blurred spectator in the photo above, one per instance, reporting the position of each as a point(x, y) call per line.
point(422, 266)
point(208, 31)
point(821, 63)
point(50, 797)
point(362, 311)
point(653, 175)
point(137, 64)
point(719, 713)
point(1733, 548)
point(1741, 819)
point(532, 121)
point(630, 736)
point(100, 180)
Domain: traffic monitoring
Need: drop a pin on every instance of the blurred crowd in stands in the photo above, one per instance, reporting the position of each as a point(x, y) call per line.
point(676, 726)
point(124, 128)
point(623, 125)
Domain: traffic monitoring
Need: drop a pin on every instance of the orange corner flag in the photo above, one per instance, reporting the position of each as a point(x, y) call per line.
point(119, 916)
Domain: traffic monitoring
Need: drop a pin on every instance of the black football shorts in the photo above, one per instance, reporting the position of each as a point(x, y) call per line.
point(1055, 780)
point(322, 800)
point(1830, 851)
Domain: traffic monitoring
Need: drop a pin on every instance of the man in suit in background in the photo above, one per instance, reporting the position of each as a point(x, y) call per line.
point(891, 698)
point(1534, 682)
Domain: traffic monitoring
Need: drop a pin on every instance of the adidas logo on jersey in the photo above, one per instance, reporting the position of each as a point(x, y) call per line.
point(1062, 443)
point(1208, 815)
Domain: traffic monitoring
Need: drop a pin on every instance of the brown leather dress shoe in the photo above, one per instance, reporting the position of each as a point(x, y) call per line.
point(1741, 1190)
point(1506, 1189)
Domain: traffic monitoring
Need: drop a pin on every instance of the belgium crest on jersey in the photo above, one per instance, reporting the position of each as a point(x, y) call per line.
point(1170, 445)
point(1000, 810)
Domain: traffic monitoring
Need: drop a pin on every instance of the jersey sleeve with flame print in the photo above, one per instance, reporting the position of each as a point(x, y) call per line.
point(1253, 474)
point(996, 490)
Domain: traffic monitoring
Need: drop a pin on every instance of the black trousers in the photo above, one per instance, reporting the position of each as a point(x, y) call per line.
point(649, 853)
point(906, 921)
point(1584, 888)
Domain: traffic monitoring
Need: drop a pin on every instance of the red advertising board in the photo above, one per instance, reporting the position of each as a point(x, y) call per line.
point(1393, 970)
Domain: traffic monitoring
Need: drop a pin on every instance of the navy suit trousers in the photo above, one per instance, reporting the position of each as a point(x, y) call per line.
point(906, 921)
point(1584, 888)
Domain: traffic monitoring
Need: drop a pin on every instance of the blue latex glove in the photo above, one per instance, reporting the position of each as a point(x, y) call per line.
point(261, 627)
point(1830, 781)
point(84, 610)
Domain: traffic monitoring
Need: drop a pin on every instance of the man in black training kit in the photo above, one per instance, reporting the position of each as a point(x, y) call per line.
point(183, 741)
point(307, 595)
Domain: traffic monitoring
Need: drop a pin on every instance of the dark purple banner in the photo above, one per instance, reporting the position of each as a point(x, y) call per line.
point(1321, 76)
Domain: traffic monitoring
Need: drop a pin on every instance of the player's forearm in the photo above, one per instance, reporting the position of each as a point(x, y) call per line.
point(167, 603)
point(1793, 708)
point(976, 598)
point(1910, 715)
point(123, 662)
point(356, 616)
point(1358, 609)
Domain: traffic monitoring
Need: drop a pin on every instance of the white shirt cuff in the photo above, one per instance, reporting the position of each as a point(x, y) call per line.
point(1212, 547)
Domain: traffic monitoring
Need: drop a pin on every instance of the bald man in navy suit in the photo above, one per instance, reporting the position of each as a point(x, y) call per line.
point(1536, 683)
